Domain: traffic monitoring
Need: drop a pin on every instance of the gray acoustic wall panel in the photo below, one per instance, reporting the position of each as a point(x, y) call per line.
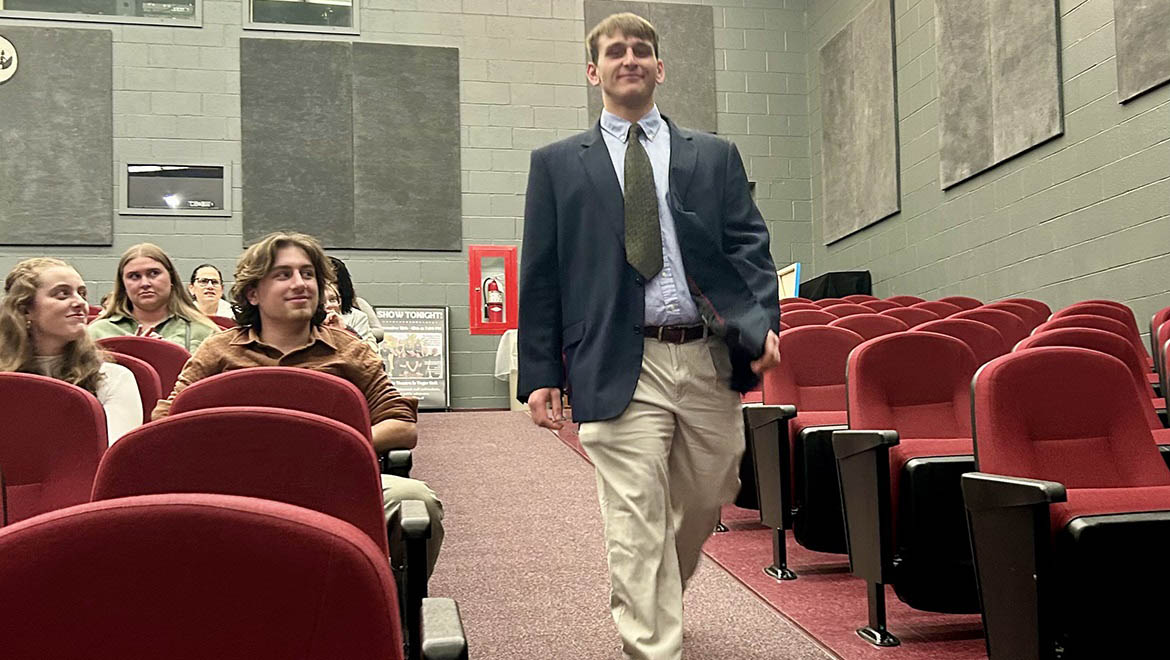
point(859, 153)
point(297, 138)
point(999, 82)
point(686, 36)
point(1143, 45)
point(407, 189)
point(56, 139)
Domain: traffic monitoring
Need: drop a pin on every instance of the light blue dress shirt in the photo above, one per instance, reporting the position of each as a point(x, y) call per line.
point(668, 299)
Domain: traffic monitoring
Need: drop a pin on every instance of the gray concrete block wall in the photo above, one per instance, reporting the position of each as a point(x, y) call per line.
point(176, 98)
point(1086, 215)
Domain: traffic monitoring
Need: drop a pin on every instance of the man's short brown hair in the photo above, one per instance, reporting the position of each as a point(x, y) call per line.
point(631, 25)
point(257, 261)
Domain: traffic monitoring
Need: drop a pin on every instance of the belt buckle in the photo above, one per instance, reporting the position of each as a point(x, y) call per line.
point(660, 329)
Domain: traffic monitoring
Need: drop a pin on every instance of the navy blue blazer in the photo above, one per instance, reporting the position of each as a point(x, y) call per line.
point(580, 298)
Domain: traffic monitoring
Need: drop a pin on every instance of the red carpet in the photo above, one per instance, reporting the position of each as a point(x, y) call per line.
point(826, 601)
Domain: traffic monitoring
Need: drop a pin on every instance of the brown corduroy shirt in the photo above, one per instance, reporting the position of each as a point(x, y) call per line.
point(332, 351)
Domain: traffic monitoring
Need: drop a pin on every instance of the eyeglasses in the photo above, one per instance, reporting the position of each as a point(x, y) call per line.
point(207, 281)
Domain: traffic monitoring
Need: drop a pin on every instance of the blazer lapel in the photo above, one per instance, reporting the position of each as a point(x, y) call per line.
point(599, 170)
point(683, 154)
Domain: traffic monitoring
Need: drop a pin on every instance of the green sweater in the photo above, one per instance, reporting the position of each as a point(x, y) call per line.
point(176, 329)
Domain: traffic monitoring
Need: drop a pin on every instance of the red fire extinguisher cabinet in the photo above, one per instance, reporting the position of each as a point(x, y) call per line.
point(493, 288)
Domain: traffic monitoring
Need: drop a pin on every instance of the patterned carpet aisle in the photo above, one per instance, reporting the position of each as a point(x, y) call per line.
point(524, 554)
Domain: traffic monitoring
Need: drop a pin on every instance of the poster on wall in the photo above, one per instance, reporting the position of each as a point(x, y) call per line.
point(414, 350)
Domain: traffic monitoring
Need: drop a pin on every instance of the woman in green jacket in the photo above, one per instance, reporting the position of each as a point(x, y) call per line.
point(149, 300)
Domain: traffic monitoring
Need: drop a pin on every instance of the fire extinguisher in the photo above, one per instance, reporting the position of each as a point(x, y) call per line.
point(493, 301)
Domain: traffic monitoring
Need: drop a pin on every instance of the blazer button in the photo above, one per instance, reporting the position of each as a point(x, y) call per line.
point(638, 280)
point(637, 329)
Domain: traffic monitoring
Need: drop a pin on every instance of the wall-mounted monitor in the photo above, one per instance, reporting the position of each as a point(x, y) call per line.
point(174, 189)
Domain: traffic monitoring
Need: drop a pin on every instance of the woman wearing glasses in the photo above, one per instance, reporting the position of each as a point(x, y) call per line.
point(206, 288)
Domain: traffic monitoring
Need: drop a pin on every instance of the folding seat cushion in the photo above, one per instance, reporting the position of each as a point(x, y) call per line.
point(194, 576)
point(53, 436)
point(858, 298)
point(167, 358)
point(880, 305)
point(943, 309)
point(828, 302)
point(962, 302)
point(847, 309)
point(910, 315)
point(984, 341)
point(1070, 488)
point(905, 301)
point(1029, 316)
point(900, 464)
point(1115, 311)
point(149, 386)
point(1009, 325)
point(870, 325)
point(1039, 306)
point(807, 317)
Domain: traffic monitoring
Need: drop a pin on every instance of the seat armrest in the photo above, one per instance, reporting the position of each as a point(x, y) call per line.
point(415, 520)
point(413, 523)
point(442, 630)
point(397, 462)
point(851, 443)
point(760, 415)
point(982, 491)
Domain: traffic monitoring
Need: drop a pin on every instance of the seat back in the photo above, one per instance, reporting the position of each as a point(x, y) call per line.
point(793, 299)
point(847, 309)
point(943, 309)
point(1160, 337)
point(1009, 325)
point(167, 358)
point(916, 383)
point(276, 454)
point(905, 301)
point(807, 317)
point(880, 305)
point(911, 316)
point(1038, 306)
point(962, 302)
point(1104, 342)
point(1065, 414)
point(1029, 316)
point(52, 438)
point(793, 306)
point(984, 341)
point(223, 322)
point(149, 387)
point(870, 325)
point(280, 387)
point(1156, 321)
point(1091, 321)
point(828, 302)
point(811, 375)
point(194, 576)
point(858, 298)
point(1113, 310)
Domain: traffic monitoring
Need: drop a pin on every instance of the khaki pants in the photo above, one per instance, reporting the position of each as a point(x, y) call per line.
point(664, 468)
point(397, 489)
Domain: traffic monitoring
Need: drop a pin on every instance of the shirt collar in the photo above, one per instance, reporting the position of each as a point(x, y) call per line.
point(619, 128)
point(248, 335)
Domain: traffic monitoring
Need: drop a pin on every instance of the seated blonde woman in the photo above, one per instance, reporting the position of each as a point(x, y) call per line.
point(42, 331)
point(150, 300)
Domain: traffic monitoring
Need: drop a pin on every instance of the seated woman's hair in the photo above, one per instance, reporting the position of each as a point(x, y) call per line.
point(82, 360)
point(344, 284)
point(201, 267)
point(180, 303)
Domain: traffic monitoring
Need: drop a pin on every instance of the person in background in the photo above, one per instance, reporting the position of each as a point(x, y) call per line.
point(42, 331)
point(277, 290)
point(351, 304)
point(206, 288)
point(149, 300)
point(334, 318)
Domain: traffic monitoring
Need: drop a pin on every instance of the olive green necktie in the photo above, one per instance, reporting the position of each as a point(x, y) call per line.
point(643, 236)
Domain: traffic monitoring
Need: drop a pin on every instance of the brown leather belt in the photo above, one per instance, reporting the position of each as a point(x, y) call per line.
point(675, 334)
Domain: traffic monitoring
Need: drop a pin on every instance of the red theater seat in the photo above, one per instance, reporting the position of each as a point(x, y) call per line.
point(1099, 323)
point(1029, 316)
point(909, 440)
point(1038, 306)
point(149, 388)
point(870, 325)
point(194, 576)
point(1069, 507)
point(223, 322)
point(910, 315)
point(880, 305)
point(858, 298)
point(828, 302)
point(807, 317)
point(942, 309)
point(793, 306)
point(847, 309)
point(1161, 316)
point(794, 299)
point(1012, 327)
point(905, 301)
point(1115, 311)
point(54, 435)
point(167, 358)
point(962, 302)
point(983, 340)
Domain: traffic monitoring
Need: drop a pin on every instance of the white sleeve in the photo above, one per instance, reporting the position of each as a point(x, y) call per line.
point(360, 323)
point(118, 394)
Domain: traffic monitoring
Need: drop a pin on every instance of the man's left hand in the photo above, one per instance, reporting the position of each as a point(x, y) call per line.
point(771, 356)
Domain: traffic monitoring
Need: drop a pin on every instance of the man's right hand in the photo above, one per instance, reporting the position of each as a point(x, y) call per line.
point(539, 404)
